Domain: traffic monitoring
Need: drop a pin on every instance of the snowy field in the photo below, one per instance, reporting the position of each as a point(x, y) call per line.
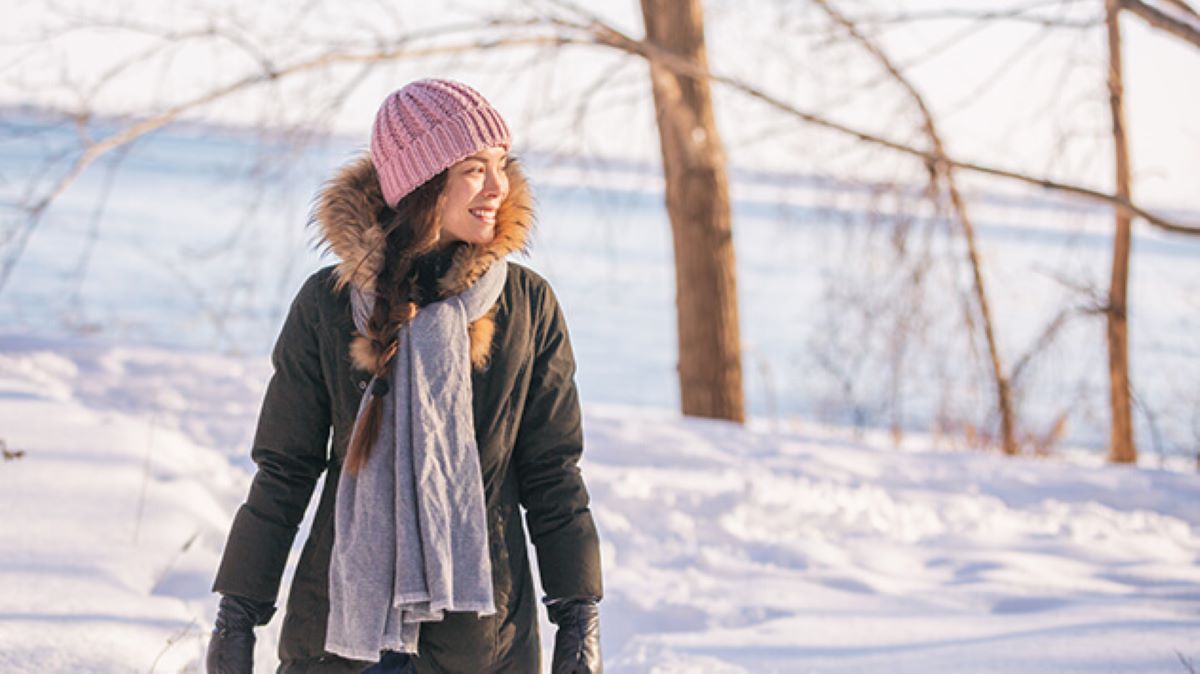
point(801, 549)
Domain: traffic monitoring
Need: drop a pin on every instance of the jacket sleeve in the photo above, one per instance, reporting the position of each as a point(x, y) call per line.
point(548, 448)
point(290, 449)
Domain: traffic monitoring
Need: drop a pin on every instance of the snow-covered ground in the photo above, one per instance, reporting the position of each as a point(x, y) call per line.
point(798, 549)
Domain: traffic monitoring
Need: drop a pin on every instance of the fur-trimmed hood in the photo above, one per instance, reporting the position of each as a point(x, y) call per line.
point(347, 215)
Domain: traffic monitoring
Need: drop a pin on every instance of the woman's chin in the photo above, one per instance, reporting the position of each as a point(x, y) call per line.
point(477, 236)
point(484, 235)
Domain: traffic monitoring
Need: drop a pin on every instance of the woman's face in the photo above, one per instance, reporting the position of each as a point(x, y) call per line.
point(474, 189)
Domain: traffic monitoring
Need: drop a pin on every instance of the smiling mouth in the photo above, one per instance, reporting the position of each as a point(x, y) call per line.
point(485, 215)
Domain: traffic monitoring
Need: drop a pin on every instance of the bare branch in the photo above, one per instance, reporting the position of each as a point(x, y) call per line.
point(1044, 340)
point(927, 54)
point(574, 26)
point(1182, 6)
point(593, 89)
point(93, 234)
point(604, 34)
point(1022, 51)
point(95, 150)
point(1187, 664)
point(1021, 13)
point(1188, 32)
point(939, 169)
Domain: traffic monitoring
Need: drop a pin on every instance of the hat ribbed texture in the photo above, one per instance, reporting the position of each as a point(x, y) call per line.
point(427, 126)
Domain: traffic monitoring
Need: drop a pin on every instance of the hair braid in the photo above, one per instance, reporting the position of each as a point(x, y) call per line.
point(411, 231)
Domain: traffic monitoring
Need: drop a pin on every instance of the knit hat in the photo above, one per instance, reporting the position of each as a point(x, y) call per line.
point(426, 126)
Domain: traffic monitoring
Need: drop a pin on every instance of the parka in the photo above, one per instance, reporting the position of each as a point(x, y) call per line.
point(527, 424)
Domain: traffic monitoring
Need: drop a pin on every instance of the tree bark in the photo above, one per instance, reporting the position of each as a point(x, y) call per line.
point(1121, 448)
point(697, 195)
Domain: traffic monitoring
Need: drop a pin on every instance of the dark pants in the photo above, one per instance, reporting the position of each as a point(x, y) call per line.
point(392, 663)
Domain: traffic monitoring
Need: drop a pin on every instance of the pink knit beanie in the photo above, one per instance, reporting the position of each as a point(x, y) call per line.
point(427, 126)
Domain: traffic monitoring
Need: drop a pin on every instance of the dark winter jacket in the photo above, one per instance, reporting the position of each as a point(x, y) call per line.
point(527, 423)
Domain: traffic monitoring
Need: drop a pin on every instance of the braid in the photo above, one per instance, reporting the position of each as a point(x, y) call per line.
point(411, 230)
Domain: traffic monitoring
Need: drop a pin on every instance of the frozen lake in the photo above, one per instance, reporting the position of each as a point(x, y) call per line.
point(197, 239)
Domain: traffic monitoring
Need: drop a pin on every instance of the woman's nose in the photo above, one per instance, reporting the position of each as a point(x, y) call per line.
point(496, 183)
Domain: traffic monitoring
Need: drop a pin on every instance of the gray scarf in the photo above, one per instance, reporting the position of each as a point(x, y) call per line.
point(411, 537)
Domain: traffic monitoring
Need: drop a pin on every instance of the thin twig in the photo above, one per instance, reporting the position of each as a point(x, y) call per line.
point(1151, 421)
point(1187, 663)
point(171, 641)
point(1020, 13)
point(604, 34)
point(140, 128)
point(1188, 31)
point(940, 171)
point(586, 29)
point(141, 505)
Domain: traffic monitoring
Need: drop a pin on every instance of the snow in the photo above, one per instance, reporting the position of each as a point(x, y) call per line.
point(726, 549)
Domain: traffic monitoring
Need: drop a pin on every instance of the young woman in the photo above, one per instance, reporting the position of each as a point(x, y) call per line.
point(446, 377)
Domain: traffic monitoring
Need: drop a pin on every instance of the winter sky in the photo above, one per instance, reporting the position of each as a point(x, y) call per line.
point(1013, 93)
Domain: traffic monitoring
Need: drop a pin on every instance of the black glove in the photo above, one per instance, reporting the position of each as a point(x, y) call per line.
point(231, 649)
point(577, 644)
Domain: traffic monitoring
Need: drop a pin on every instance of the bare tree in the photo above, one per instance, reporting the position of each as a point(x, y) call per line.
point(1121, 448)
point(697, 192)
point(1182, 21)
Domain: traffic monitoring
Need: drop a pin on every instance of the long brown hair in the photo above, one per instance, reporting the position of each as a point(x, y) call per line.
point(411, 230)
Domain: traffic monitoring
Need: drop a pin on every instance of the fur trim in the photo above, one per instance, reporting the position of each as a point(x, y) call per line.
point(362, 354)
point(481, 333)
point(347, 214)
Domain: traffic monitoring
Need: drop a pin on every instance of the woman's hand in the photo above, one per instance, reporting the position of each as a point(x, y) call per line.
point(577, 644)
point(231, 649)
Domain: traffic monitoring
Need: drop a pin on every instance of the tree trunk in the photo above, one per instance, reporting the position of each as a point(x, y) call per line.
point(710, 367)
point(1121, 448)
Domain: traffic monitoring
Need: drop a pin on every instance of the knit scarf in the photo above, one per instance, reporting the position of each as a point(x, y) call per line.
point(411, 536)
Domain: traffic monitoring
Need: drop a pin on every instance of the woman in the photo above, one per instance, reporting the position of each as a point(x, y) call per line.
point(446, 376)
